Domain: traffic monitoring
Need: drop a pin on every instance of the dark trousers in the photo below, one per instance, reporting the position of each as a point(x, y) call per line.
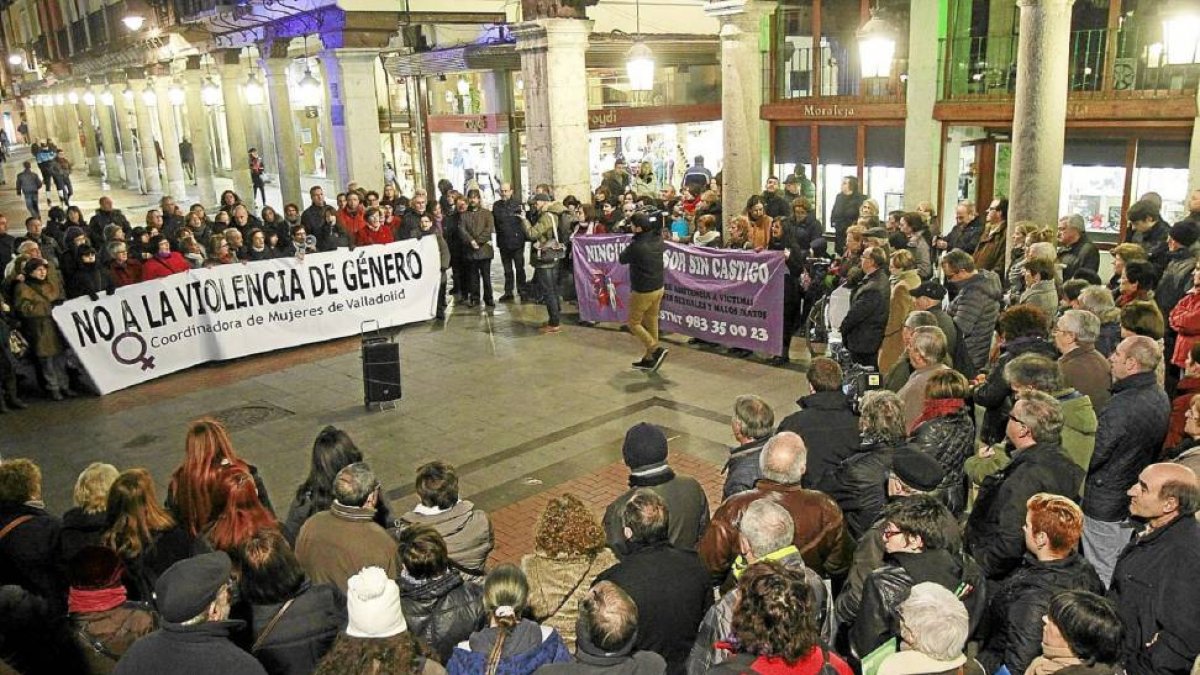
point(514, 269)
point(458, 274)
point(866, 358)
point(441, 301)
point(480, 272)
point(547, 281)
point(260, 188)
point(792, 304)
point(31, 204)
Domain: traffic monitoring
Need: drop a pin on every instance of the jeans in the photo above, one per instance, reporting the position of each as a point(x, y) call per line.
point(260, 188)
point(514, 268)
point(547, 280)
point(65, 189)
point(1103, 543)
point(54, 371)
point(480, 272)
point(643, 319)
point(31, 204)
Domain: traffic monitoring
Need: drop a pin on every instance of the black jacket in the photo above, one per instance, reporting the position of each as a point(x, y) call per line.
point(775, 205)
point(994, 394)
point(29, 553)
point(1129, 435)
point(592, 660)
point(1157, 597)
point(1176, 280)
point(510, 232)
point(196, 650)
point(830, 432)
point(742, 470)
point(672, 590)
point(862, 328)
point(975, 309)
point(1015, 608)
point(312, 218)
point(950, 440)
point(80, 529)
point(965, 237)
point(35, 638)
point(859, 485)
point(844, 214)
point(303, 633)
point(1154, 241)
point(644, 255)
point(442, 611)
point(994, 534)
point(1083, 254)
point(90, 280)
point(889, 586)
point(169, 547)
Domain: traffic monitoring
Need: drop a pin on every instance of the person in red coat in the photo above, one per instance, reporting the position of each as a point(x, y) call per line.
point(164, 262)
point(352, 217)
point(1188, 386)
point(122, 269)
point(1185, 320)
point(374, 232)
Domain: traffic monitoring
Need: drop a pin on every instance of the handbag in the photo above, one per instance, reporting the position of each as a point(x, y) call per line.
point(551, 252)
point(17, 344)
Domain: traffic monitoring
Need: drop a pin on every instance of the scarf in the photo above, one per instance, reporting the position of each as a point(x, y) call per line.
point(664, 475)
point(935, 408)
point(1052, 660)
point(80, 601)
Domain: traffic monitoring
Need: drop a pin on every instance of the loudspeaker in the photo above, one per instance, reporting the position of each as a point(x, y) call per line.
point(381, 370)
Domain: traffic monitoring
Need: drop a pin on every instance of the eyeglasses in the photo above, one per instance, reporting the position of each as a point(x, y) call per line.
point(888, 533)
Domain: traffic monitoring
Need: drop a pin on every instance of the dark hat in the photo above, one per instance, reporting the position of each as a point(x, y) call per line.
point(34, 263)
point(86, 249)
point(645, 447)
point(929, 289)
point(94, 568)
point(189, 586)
point(539, 197)
point(917, 470)
point(155, 241)
point(791, 180)
point(1185, 232)
point(74, 231)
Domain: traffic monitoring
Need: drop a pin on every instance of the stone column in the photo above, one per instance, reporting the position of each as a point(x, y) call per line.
point(197, 122)
point(232, 75)
point(87, 128)
point(128, 145)
point(556, 102)
point(1194, 157)
point(741, 98)
point(38, 126)
point(922, 133)
point(353, 114)
point(275, 66)
point(104, 115)
point(1040, 114)
point(332, 170)
point(176, 182)
point(152, 182)
point(75, 149)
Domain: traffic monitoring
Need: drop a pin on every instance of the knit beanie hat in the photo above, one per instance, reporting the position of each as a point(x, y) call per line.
point(645, 448)
point(1185, 232)
point(917, 470)
point(373, 603)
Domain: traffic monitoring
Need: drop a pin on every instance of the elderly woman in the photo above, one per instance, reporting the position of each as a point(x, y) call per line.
point(569, 552)
point(1185, 391)
point(1040, 291)
point(933, 632)
point(84, 525)
point(1122, 255)
point(1081, 634)
point(219, 252)
point(34, 302)
point(1098, 301)
point(859, 484)
point(1186, 450)
point(438, 605)
point(945, 431)
point(122, 269)
point(1021, 329)
point(904, 278)
point(1137, 283)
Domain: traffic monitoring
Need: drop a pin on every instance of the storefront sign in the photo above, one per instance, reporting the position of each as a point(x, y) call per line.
point(611, 118)
point(733, 298)
point(823, 110)
point(469, 124)
point(154, 328)
point(1100, 112)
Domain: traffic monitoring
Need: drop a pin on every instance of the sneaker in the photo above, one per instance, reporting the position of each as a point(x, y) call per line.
point(547, 330)
point(507, 297)
point(660, 355)
point(644, 364)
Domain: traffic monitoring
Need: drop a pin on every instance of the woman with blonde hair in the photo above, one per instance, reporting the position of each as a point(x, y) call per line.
point(194, 484)
point(904, 278)
point(509, 643)
point(84, 524)
point(143, 533)
point(569, 552)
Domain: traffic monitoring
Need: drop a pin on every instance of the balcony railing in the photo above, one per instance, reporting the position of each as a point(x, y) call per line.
point(1121, 67)
point(790, 73)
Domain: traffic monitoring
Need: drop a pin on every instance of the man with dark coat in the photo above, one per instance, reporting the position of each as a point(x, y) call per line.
point(607, 640)
point(753, 424)
point(773, 202)
point(968, 228)
point(508, 212)
point(645, 453)
point(313, 217)
point(1176, 274)
point(825, 422)
point(1076, 251)
point(974, 309)
point(669, 586)
point(30, 544)
point(644, 255)
point(106, 215)
point(993, 532)
point(1154, 585)
point(8, 243)
point(862, 328)
point(1149, 231)
point(1129, 435)
point(193, 599)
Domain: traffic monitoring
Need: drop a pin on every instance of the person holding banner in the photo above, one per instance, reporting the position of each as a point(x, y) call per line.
point(644, 255)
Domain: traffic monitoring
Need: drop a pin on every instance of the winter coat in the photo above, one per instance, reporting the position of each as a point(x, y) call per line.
point(995, 395)
point(860, 486)
point(989, 254)
point(527, 648)
point(592, 660)
point(80, 529)
point(965, 237)
point(820, 532)
point(912, 394)
point(1184, 390)
point(1043, 295)
point(975, 310)
point(1087, 370)
point(90, 280)
point(367, 236)
point(1110, 337)
point(1176, 280)
point(477, 226)
point(467, 531)
point(685, 500)
point(1154, 242)
point(1156, 594)
point(1083, 254)
point(919, 247)
point(105, 636)
point(302, 634)
point(1017, 604)
point(29, 553)
point(510, 231)
point(543, 233)
point(994, 534)
point(156, 267)
point(742, 470)
point(203, 649)
point(353, 221)
point(1184, 319)
point(442, 611)
point(36, 638)
point(125, 274)
point(830, 432)
point(557, 584)
point(168, 547)
point(888, 586)
point(950, 439)
point(672, 590)
point(334, 545)
point(1129, 435)
point(844, 214)
point(863, 326)
point(35, 304)
point(644, 255)
point(900, 304)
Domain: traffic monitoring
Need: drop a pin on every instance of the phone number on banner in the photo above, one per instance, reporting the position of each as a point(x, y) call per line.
point(720, 328)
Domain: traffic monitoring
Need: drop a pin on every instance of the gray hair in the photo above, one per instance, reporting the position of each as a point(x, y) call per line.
point(754, 415)
point(1099, 301)
point(1145, 351)
point(767, 526)
point(918, 318)
point(1034, 370)
point(1042, 249)
point(115, 247)
point(934, 622)
point(784, 458)
point(883, 416)
point(930, 343)
point(1084, 324)
point(27, 246)
point(354, 483)
point(1075, 222)
point(1043, 415)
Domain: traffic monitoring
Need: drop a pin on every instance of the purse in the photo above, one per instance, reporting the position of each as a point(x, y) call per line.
point(551, 252)
point(17, 344)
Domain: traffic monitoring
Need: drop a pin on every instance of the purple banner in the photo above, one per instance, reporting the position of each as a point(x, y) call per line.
point(733, 298)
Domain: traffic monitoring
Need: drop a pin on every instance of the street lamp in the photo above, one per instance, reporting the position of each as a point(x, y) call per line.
point(148, 96)
point(210, 93)
point(876, 47)
point(73, 97)
point(15, 59)
point(134, 22)
point(310, 89)
point(252, 90)
point(1181, 35)
point(89, 99)
point(60, 99)
point(175, 94)
point(106, 96)
point(127, 93)
point(639, 65)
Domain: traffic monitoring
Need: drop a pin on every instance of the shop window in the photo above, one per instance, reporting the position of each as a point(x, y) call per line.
point(1162, 167)
point(668, 147)
point(883, 168)
point(1093, 184)
point(838, 159)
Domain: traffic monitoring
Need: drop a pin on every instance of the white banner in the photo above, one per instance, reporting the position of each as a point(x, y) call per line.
point(154, 328)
